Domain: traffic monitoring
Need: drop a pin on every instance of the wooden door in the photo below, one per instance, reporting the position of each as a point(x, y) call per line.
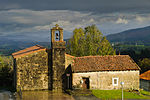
point(85, 84)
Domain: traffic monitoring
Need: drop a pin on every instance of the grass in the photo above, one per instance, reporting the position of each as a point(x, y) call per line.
point(145, 93)
point(116, 94)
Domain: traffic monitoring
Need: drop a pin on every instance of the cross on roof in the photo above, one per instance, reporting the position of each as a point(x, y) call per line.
point(57, 25)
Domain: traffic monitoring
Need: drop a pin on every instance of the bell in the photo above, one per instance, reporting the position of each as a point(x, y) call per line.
point(57, 37)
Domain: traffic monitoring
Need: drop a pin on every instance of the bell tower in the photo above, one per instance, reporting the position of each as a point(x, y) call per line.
point(57, 57)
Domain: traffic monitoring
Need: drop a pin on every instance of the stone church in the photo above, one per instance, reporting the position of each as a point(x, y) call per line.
point(39, 68)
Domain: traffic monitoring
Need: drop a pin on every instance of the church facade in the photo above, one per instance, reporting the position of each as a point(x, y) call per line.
point(39, 68)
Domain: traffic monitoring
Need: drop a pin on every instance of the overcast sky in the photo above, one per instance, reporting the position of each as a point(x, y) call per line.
point(32, 19)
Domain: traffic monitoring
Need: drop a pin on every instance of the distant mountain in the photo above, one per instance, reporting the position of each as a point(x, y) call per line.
point(7, 46)
point(139, 35)
point(133, 35)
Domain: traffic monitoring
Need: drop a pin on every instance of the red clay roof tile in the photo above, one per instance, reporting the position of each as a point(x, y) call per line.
point(145, 75)
point(27, 51)
point(104, 63)
point(69, 56)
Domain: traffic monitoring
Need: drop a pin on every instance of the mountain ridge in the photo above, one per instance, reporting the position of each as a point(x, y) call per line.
point(131, 35)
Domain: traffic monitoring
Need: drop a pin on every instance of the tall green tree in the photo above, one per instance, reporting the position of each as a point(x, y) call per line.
point(74, 46)
point(89, 41)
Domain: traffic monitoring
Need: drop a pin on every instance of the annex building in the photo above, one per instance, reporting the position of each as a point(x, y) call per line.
point(39, 68)
point(145, 81)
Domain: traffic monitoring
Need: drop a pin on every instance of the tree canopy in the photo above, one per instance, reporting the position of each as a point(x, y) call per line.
point(144, 64)
point(6, 73)
point(89, 41)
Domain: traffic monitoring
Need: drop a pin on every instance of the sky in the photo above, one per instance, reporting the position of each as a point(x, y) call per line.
point(31, 20)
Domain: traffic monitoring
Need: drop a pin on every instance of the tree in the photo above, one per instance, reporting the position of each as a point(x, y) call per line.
point(6, 74)
point(145, 53)
point(89, 41)
point(74, 46)
point(144, 64)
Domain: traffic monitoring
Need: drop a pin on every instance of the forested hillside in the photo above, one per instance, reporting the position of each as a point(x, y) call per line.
point(133, 36)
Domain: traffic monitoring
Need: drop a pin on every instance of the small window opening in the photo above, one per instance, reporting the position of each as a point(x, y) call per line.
point(57, 35)
point(115, 81)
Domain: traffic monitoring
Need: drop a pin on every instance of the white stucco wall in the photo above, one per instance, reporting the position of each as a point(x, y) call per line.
point(103, 80)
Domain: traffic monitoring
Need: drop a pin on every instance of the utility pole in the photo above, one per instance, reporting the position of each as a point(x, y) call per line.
point(122, 83)
point(68, 75)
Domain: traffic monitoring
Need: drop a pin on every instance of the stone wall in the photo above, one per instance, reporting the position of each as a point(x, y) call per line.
point(145, 85)
point(68, 60)
point(32, 71)
point(103, 80)
point(58, 67)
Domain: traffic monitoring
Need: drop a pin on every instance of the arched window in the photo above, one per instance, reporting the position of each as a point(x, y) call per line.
point(57, 36)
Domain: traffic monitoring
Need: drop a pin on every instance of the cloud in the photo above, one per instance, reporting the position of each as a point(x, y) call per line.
point(121, 21)
point(45, 27)
point(33, 24)
point(142, 19)
point(100, 6)
point(21, 19)
point(8, 5)
point(29, 20)
point(33, 19)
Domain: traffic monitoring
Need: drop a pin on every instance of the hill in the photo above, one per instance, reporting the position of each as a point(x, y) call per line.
point(139, 35)
point(7, 47)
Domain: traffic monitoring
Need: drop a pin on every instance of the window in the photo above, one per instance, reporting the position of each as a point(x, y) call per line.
point(115, 81)
point(57, 36)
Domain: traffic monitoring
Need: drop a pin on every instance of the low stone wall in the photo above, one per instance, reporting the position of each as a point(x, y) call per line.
point(103, 80)
point(32, 71)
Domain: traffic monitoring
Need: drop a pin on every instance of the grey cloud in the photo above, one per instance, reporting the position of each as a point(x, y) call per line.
point(1, 34)
point(101, 6)
point(31, 19)
point(30, 24)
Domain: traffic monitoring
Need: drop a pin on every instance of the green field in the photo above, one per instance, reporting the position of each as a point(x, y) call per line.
point(117, 94)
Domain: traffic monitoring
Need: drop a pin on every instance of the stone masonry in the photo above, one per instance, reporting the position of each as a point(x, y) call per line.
point(38, 68)
point(58, 59)
point(32, 71)
point(103, 79)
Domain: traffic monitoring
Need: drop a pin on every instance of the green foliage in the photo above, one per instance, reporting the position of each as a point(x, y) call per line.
point(6, 74)
point(1, 63)
point(89, 41)
point(116, 94)
point(74, 45)
point(145, 53)
point(144, 64)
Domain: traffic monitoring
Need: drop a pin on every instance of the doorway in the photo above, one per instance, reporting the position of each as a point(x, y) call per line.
point(86, 83)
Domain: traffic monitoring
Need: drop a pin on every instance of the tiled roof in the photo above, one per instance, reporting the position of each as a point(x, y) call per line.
point(27, 51)
point(69, 56)
point(104, 63)
point(145, 75)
